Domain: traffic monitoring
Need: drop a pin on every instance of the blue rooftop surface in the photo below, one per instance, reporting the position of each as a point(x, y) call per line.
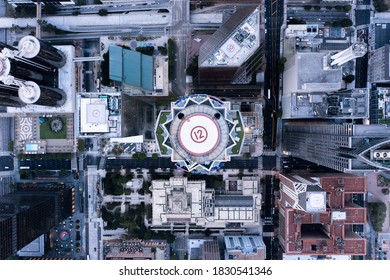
point(115, 62)
point(130, 67)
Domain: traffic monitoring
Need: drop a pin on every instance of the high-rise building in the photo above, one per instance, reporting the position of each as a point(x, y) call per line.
point(27, 214)
point(342, 147)
point(354, 51)
point(347, 104)
point(233, 53)
point(180, 203)
point(246, 247)
point(45, 2)
point(199, 133)
point(322, 214)
point(29, 74)
point(379, 66)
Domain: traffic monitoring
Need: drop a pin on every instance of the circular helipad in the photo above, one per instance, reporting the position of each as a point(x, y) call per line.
point(199, 134)
point(64, 235)
point(230, 48)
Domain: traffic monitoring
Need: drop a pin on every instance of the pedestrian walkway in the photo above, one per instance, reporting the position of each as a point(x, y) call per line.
point(372, 188)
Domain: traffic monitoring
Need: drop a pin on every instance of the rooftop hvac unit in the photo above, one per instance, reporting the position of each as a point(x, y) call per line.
point(382, 155)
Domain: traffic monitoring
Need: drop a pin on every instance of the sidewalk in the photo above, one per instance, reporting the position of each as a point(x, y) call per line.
point(372, 188)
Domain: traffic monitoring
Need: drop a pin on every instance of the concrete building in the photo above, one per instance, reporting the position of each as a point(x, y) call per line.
point(16, 3)
point(252, 116)
point(380, 105)
point(182, 203)
point(244, 247)
point(383, 245)
point(378, 67)
point(138, 74)
point(233, 53)
point(29, 213)
point(349, 104)
point(342, 147)
point(301, 30)
point(311, 72)
point(318, 214)
point(136, 249)
point(203, 249)
point(199, 133)
point(354, 51)
point(37, 77)
point(99, 114)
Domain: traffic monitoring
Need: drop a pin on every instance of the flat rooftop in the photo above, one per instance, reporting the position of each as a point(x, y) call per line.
point(131, 67)
point(93, 115)
point(351, 104)
point(235, 48)
point(313, 73)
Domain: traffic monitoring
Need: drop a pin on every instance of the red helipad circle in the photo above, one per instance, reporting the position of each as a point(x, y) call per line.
point(198, 134)
point(96, 113)
point(230, 48)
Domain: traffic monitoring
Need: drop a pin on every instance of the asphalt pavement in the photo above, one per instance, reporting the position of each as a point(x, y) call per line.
point(6, 163)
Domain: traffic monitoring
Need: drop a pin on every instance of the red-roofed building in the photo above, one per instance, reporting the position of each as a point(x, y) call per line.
point(319, 214)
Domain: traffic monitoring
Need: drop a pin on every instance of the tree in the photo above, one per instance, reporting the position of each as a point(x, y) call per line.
point(347, 8)
point(170, 238)
point(349, 78)
point(162, 50)
point(154, 156)
point(171, 52)
point(10, 146)
point(50, 10)
point(76, 13)
point(317, 8)
point(385, 191)
point(281, 63)
point(103, 12)
point(296, 21)
point(148, 50)
point(346, 22)
point(307, 7)
point(377, 212)
point(380, 5)
point(97, 2)
point(80, 144)
point(141, 156)
point(105, 70)
point(329, 7)
point(338, 8)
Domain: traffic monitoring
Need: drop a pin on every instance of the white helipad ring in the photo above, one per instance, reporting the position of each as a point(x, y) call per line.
point(198, 134)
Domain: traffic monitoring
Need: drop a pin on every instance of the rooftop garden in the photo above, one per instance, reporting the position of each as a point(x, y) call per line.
point(240, 134)
point(160, 132)
point(52, 128)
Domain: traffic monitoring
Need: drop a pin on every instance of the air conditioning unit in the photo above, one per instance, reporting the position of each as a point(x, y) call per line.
point(381, 154)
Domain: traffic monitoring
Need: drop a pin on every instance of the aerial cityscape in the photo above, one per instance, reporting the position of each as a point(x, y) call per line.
point(195, 130)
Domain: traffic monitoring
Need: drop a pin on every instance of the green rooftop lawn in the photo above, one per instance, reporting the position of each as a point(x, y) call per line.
point(160, 131)
point(46, 133)
point(240, 134)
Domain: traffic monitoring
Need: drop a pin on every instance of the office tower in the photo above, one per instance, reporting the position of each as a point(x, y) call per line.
point(27, 214)
point(354, 51)
point(342, 147)
point(199, 133)
point(379, 66)
point(322, 214)
point(32, 68)
point(233, 53)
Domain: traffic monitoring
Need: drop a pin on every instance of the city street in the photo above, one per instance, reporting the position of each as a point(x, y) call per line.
point(179, 32)
point(274, 16)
